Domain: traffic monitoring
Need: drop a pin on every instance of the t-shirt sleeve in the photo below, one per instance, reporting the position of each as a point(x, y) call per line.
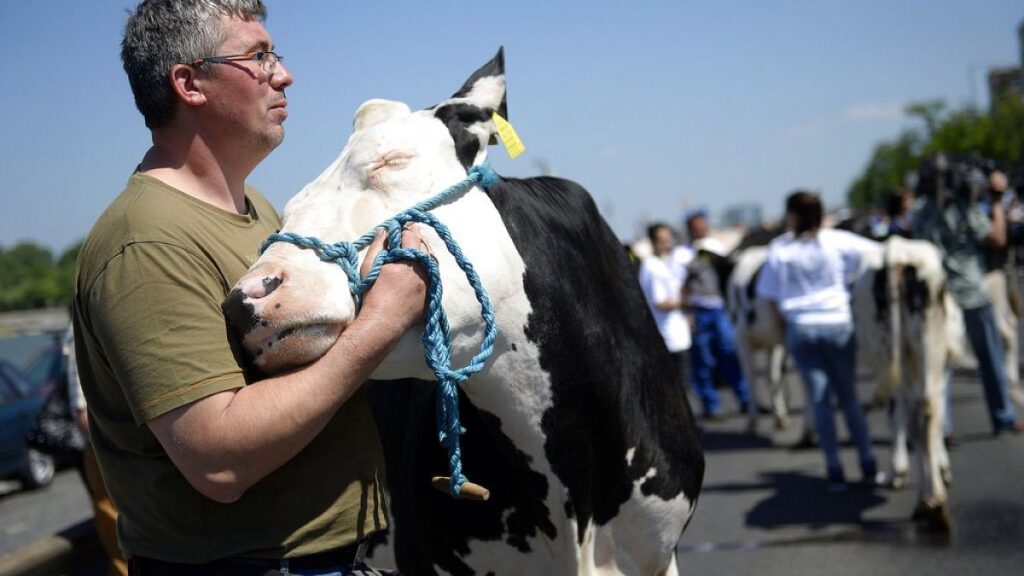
point(768, 280)
point(155, 309)
point(853, 248)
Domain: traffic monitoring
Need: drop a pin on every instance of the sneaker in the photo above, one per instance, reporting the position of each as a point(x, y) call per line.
point(836, 481)
point(1014, 428)
point(871, 477)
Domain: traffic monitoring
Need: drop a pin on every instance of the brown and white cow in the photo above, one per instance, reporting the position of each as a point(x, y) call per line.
point(909, 328)
point(576, 424)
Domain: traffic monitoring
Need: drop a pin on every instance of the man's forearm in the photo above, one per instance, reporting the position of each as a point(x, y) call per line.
point(227, 442)
point(997, 237)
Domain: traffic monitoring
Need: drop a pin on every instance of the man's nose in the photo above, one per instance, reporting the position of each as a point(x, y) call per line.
point(282, 77)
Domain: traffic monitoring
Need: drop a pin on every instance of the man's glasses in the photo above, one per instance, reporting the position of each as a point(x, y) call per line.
point(268, 60)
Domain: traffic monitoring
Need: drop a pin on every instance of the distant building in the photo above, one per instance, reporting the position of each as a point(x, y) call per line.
point(748, 215)
point(1009, 79)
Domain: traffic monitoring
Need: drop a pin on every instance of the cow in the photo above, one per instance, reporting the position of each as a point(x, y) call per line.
point(576, 424)
point(908, 325)
point(758, 339)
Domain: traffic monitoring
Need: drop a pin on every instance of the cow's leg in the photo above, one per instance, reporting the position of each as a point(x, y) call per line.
point(673, 567)
point(934, 508)
point(776, 388)
point(744, 354)
point(898, 424)
point(998, 289)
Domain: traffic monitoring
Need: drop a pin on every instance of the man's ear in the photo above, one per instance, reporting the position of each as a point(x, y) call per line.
point(187, 85)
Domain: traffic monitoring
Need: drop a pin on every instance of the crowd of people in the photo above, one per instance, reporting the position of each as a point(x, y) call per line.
point(806, 278)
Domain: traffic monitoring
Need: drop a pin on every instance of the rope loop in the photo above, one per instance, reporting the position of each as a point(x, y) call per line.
point(437, 332)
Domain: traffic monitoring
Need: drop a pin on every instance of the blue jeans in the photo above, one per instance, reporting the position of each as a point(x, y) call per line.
point(825, 355)
point(988, 349)
point(715, 346)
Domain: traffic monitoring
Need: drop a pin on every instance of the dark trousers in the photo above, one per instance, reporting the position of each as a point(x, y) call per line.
point(714, 347)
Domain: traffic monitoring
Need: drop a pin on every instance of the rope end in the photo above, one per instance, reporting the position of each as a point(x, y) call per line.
point(468, 490)
point(488, 177)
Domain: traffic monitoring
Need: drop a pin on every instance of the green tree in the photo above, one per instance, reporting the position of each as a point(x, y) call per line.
point(31, 278)
point(888, 168)
point(997, 135)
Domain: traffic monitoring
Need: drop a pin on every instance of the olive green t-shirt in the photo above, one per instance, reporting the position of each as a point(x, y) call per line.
point(151, 337)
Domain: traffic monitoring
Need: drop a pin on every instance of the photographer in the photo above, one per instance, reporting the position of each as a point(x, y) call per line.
point(949, 217)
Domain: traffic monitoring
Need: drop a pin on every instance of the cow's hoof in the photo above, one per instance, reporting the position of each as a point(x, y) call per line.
point(781, 422)
point(899, 480)
point(807, 441)
point(933, 516)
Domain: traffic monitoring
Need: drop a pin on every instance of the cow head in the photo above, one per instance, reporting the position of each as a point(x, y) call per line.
point(290, 307)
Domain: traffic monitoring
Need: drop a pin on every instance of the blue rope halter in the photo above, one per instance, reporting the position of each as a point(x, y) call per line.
point(436, 333)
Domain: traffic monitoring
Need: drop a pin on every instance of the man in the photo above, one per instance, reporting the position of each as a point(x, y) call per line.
point(213, 470)
point(714, 344)
point(949, 217)
point(662, 287)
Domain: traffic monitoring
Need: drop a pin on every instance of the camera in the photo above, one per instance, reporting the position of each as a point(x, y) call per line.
point(943, 178)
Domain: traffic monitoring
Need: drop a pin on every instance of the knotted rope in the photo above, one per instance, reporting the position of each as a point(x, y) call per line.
point(436, 333)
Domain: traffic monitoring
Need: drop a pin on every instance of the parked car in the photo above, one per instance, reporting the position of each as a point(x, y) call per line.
point(20, 402)
point(45, 369)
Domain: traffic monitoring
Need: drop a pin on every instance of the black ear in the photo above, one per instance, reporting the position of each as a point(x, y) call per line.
point(467, 114)
point(496, 69)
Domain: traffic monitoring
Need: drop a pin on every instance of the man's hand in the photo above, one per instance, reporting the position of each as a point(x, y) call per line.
point(399, 293)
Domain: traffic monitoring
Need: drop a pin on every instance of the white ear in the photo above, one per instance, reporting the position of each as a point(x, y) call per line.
point(488, 93)
point(376, 111)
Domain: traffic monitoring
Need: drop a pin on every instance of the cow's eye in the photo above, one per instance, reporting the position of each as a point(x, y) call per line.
point(394, 160)
point(389, 162)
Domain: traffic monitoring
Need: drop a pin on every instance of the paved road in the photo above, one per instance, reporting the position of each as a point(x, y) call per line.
point(764, 509)
point(26, 516)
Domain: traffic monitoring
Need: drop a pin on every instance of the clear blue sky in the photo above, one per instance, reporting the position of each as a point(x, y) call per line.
point(652, 106)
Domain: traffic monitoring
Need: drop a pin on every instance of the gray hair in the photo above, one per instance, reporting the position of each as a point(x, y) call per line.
point(162, 33)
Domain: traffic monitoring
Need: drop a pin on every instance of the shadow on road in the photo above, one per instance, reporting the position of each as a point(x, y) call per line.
point(800, 499)
point(717, 440)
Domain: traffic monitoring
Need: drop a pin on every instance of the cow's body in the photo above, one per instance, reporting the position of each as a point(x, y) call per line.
point(908, 325)
point(1005, 308)
point(576, 423)
point(759, 343)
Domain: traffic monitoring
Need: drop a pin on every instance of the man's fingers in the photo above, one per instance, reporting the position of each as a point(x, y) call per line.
point(371, 252)
point(410, 239)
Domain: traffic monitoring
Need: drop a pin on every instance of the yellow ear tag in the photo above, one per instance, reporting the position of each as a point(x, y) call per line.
point(508, 136)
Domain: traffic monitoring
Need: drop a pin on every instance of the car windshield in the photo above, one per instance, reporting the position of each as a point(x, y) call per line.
point(44, 366)
point(12, 384)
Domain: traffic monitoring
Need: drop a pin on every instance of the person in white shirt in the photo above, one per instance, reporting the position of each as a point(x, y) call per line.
point(662, 285)
point(806, 276)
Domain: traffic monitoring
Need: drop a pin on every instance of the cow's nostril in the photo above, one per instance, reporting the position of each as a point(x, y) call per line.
point(240, 313)
point(270, 284)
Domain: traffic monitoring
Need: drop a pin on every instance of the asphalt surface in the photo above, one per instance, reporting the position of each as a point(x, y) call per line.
point(27, 515)
point(764, 509)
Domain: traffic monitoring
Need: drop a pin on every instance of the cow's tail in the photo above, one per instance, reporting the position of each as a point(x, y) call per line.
point(956, 333)
point(894, 273)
